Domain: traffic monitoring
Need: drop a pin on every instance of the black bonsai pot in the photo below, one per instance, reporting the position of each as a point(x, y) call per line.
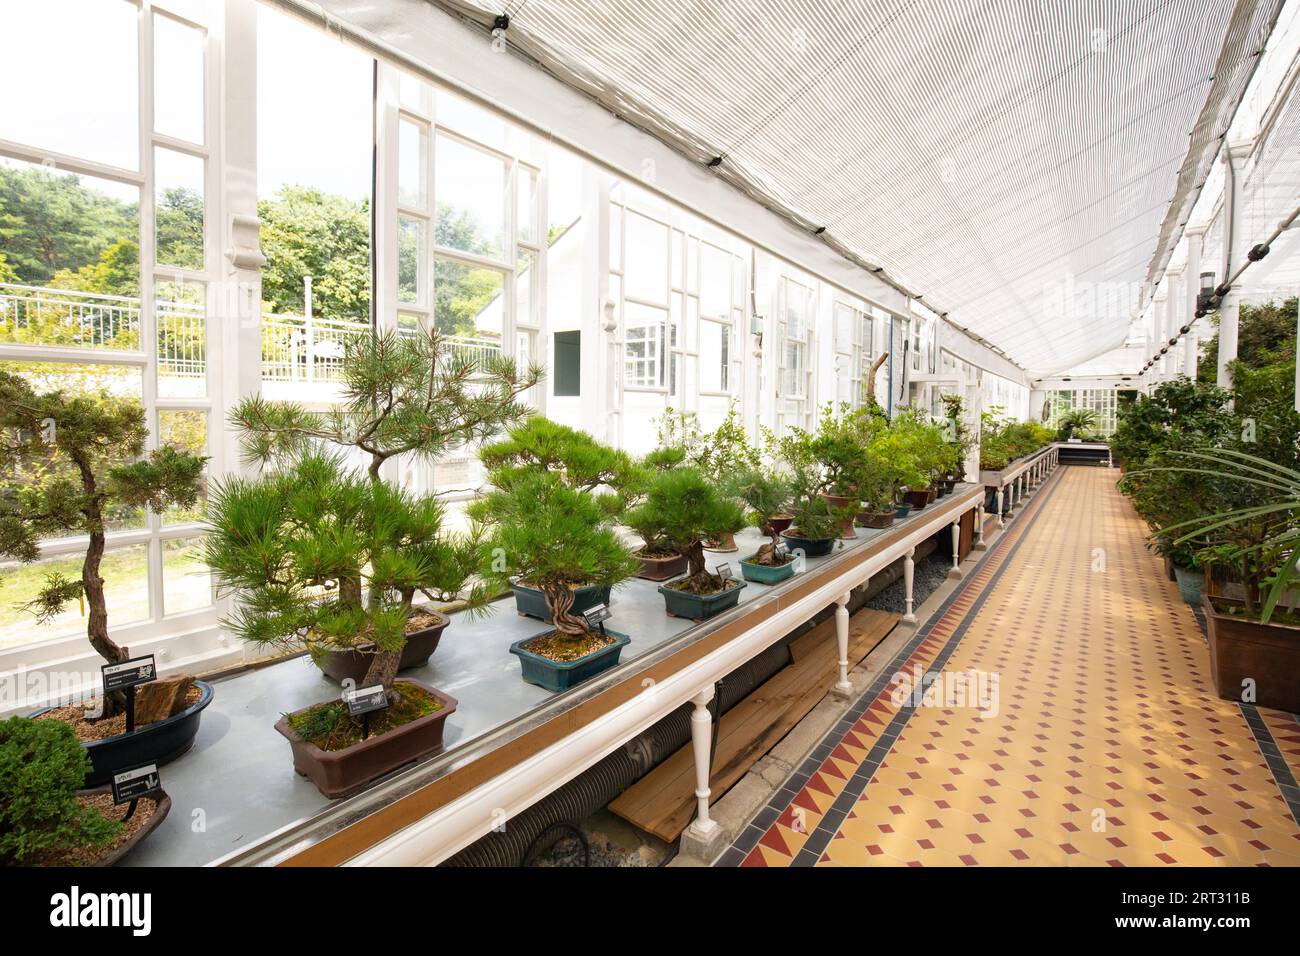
point(811, 547)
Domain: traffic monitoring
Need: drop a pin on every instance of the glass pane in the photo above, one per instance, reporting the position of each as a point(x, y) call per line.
point(180, 308)
point(616, 238)
point(472, 122)
point(109, 384)
point(677, 241)
point(646, 330)
point(412, 161)
point(715, 284)
point(185, 430)
point(525, 288)
point(70, 254)
point(70, 73)
point(470, 187)
point(177, 79)
point(187, 582)
point(468, 300)
point(796, 310)
point(646, 270)
point(178, 210)
point(126, 585)
point(526, 204)
point(713, 357)
point(413, 93)
point(411, 257)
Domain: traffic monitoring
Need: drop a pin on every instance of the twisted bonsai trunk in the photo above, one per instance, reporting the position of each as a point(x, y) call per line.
point(559, 601)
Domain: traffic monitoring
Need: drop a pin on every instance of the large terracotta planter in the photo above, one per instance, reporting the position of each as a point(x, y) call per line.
point(661, 569)
point(353, 664)
point(159, 742)
point(1245, 650)
point(341, 773)
point(838, 503)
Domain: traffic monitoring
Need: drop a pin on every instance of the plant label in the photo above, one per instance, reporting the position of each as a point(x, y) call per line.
point(365, 700)
point(132, 673)
point(723, 571)
point(131, 785)
point(782, 550)
point(596, 615)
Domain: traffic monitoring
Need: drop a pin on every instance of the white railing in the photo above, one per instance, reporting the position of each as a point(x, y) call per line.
point(295, 348)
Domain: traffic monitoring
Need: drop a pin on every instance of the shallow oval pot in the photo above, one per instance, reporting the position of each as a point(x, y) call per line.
point(531, 602)
point(812, 547)
point(561, 675)
point(876, 519)
point(341, 773)
point(112, 857)
point(766, 573)
point(700, 607)
point(661, 569)
point(353, 664)
point(159, 742)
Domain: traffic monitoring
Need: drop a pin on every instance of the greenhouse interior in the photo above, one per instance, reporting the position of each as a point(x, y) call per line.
point(661, 434)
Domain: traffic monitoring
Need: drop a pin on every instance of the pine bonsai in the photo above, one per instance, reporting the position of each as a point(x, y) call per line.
point(687, 509)
point(557, 538)
point(767, 496)
point(302, 571)
point(70, 462)
point(42, 766)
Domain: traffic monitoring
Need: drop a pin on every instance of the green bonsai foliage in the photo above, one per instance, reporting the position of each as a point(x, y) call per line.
point(403, 395)
point(687, 509)
point(925, 444)
point(717, 454)
point(555, 537)
point(42, 765)
point(813, 517)
point(767, 496)
point(69, 463)
point(323, 555)
point(957, 432)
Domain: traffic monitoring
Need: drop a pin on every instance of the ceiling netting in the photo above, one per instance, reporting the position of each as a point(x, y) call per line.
point(1023, 165)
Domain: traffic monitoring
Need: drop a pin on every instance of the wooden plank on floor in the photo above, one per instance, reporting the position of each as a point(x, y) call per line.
point(663, 801)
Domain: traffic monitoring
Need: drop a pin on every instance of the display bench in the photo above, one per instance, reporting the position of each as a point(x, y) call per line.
point(1012, 484)
point(236, 800)
point(1085, 452)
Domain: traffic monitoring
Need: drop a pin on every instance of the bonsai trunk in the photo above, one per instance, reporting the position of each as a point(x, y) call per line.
point(696, 570)
point(767, 553)
point(92, 585)
point(559, 601)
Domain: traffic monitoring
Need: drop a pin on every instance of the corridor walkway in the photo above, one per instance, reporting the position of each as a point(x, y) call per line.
point(1089, 733)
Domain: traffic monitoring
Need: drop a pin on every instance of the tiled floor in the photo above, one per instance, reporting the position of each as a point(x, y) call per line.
point(1102, 742)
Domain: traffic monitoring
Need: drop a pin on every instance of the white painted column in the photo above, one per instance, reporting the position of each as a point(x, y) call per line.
point(979, 524)
point(909, 571)
point(997, 502)
point(1230, 308)
point(955, 572)
point(703, 826)
point(842, 642)
point(1162, 333)
point(1191, 345)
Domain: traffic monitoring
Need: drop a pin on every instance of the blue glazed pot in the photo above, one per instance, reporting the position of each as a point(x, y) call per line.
point(532, 602)
point(812, 547)
point(699, 607)
point(766, 573)
point(561, 675)
point(902, 510)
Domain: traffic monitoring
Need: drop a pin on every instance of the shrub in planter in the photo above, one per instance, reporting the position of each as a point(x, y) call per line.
point(815, 529)
point(321, 554)
point(559, 539)
point(767, 496)
point(689, 510)
point(44, 819)
point(719, 455)
point(73, 462)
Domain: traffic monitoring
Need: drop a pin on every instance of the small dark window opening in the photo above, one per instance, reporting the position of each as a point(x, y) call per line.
point(568, 364)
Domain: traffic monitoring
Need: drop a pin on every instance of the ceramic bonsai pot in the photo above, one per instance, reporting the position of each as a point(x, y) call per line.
point(340, 773)
point(918, 499)
point(700, 607)
point(876, 519)
point(661, 569)
point(726, 543)
point(931, 494)
point(902, 509)
point(765, 573)
point(812, 547)
point(945, 486)
point(164, 805)
point(1189, 584)
point(159, 742)
point(530, 602)
point(838, 503)
point(353, 664)
point(1268, 655)
point(779, 523)
point(561, 675)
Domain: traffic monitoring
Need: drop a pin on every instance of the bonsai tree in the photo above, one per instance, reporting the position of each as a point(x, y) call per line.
point(767, 496)
point(42, 765)
point(958, 433)
point(71, 461)
point(686, 509)
point(557, 538)
point(323, 555)
point(299, 573)
point(813, 517)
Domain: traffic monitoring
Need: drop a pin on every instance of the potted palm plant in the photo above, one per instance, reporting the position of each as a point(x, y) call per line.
point(321, 554)
point(581, 463)
point(561, 540)
point(71, 463)
point(690, 510)
point(767, 496)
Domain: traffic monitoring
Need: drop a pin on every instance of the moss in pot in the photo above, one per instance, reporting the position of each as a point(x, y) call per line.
point(690, 510)
point(559, 538)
